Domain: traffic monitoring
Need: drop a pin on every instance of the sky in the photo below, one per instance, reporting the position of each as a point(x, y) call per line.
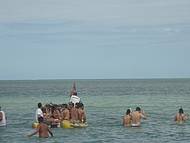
point(102, 39)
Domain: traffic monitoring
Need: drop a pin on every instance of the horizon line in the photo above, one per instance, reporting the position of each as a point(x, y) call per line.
point(95, 79)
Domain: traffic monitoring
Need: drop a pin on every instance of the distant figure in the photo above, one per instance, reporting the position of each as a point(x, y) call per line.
point(74, 98)
point(81, 113)
point(73, 89)
point(2, 118)
point(39, 112)
point(42, 129)
point(136, 117)
point(127, 119)
point(73, 113)
point(180, 116)
point(65, 113)
point(55, 117)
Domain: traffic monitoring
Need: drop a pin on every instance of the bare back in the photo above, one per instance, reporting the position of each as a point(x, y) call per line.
point(66, 114)
point(43, 130)
point(81, 115)
point(127, 120)
point(180, 117)
point(74, 114)
point(136, 118)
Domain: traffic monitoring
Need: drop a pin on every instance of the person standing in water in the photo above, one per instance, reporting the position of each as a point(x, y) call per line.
point(81, 113)
point(73, 95)
point(127, 119)
point(39, 112)
point(136, 117)
point(65, 113)
point(180, 116)
point(2, 118)
point(73, 113)
point(42, 129)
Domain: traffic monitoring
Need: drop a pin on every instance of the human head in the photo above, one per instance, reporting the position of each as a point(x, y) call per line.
point(138, 109)
point(40, 119)
point(64, 106)
point(128, 112)
point(39, 105)
point(71, 105)
point(81, 105)
point(77, 105)
point(43, 109)
point(75, 93)
point(180, 111)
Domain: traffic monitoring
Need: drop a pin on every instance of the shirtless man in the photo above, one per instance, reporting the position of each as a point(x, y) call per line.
point(81, 113)
point(73, 113)
point(65, 113)
point(136, 117)
point(43, 129)
point(127, 119)
point(55, 117)
point(180, 116)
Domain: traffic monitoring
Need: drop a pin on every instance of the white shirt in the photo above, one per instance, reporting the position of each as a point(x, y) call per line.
point(39, 113)
point(3, 121)
point(74, 99)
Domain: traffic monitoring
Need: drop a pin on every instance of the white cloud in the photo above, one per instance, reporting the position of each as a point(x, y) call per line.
point(98, 11)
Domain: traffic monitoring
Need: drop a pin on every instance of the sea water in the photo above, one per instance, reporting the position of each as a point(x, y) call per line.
point(106, 102)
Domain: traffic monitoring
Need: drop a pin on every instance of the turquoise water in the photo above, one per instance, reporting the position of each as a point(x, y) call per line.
point(105, 102)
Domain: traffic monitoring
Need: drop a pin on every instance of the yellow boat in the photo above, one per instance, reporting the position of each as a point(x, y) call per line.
point(65, 124)
point(68, 125)
point(35, 125)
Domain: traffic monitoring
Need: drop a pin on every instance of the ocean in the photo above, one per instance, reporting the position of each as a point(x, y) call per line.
point(106, 101)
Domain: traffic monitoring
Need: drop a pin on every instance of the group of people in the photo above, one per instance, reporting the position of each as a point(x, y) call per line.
point(133, 118)
point(54, 114)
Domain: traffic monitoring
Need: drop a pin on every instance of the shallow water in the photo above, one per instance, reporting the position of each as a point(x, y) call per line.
point(105, 102)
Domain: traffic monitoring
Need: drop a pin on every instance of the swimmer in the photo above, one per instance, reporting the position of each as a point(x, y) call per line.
point(43, 129)
point(81, 113)
point(65, 112)
point(180, 116)
point(127, 119)
point(73, 113)
point(136, 117)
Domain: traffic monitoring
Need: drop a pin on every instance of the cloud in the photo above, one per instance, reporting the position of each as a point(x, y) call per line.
point(136, 12)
